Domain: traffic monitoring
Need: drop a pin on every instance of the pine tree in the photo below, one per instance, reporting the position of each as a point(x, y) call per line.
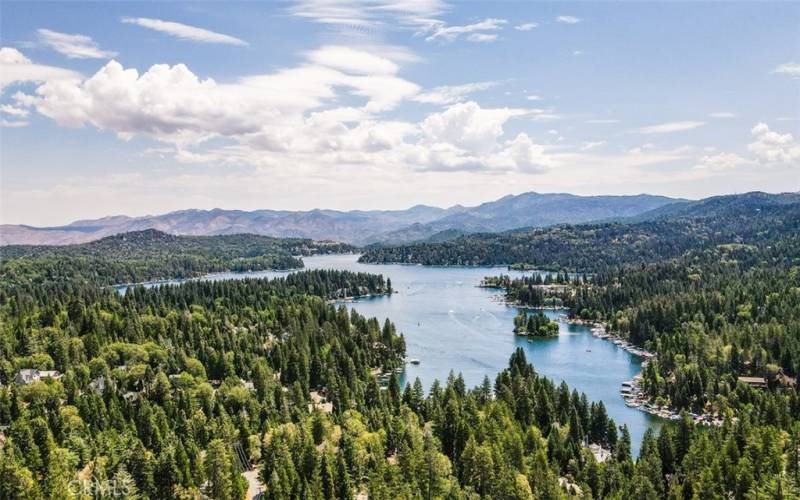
point(344, 488)
point(218, 466)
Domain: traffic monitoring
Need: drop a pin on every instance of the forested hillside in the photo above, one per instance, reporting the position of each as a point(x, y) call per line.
point(172, 392)
point(730, 311)
point(166, 390)
point(595, 247)
point(150, 255)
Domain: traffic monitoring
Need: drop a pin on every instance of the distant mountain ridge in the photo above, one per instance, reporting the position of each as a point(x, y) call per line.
point(730, 223)
point(359, 227)
point(532, 210)
point(730, 204)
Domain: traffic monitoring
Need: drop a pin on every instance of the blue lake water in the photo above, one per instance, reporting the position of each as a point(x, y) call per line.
point(451, 324)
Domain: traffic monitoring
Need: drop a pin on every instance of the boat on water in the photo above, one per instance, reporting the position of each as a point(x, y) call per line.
point(413, 361)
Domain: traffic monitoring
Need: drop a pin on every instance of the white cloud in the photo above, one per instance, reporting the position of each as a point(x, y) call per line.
point(13, 124)
point(534, 98)
point(721, 114)
point(666, 128)
point(449, 94)
point(184, 31)
point(773, 148)
point(602, 121)
point(72, 45)
point(721, 162)
point(440, 31)
point(577, 52)
point(468, 126)
point(586, 146)
point(13, 111)
point(369, 14)
point(352, 60)
point(481, 37)
point(526, 26)
point(16, 68)
point(302, 116)
point(567, 20)
point(527, 155)
point(172, 104)
point(789, 68)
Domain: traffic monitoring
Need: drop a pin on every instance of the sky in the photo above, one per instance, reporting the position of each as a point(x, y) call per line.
point(142, 108)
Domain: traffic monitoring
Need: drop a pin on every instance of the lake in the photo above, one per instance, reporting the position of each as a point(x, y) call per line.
point(451, 324)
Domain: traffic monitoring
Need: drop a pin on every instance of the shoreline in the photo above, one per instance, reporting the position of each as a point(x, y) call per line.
point(631, 390)
point(207, 276)
point(356, 298)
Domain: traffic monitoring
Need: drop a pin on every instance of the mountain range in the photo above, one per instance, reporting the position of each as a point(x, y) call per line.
point(358, 227)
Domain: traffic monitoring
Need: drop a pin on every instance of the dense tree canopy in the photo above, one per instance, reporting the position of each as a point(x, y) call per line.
point(598, 247)
point(172, 391)
point(152, 255)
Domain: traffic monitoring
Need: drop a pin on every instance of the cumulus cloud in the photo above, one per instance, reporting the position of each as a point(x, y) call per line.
point(669, 127)
point(326, 112)
point(183, 31)
point(468, 126)
point(449, 94)
point(442, 32)
point(567, 20)
point(526, 26)
point(789, 69)
point(172, 104)
point(720, 162)
point(73, 46)
point(16, 68)
point(526, 155)
point(771, 147)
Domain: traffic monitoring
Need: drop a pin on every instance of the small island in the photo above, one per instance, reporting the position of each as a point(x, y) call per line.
point(535, 325)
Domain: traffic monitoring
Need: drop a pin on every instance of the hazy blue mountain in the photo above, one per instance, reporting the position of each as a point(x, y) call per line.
point(359, 227)
point(531, 210)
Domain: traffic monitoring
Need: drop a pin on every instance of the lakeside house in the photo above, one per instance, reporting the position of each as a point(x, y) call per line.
point(319, 402)
point(600, 454)
point(781, 379)
point(757, 382)
point(28, 376)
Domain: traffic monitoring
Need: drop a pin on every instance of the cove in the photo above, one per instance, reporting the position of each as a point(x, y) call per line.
point(449, 323)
